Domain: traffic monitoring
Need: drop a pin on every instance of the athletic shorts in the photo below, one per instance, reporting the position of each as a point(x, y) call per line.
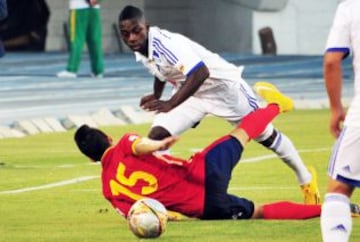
point(220, 160)
point(231, 103)
point(344, 163)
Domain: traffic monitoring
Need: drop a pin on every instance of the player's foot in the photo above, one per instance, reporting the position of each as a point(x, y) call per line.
point(66, 74)
point(355, 210)
point(310, 190)
point(100, 75)
point(272, 95)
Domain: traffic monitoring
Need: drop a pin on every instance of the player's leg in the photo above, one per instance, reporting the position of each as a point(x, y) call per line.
point(291, 210)
point(336, 222)
point(344, 172)
point(287, 210)
point(253, 124)
point(227, 206)
point(256, 122)
point(178, 120)
point(78, 21)
point(285, 149)
point(222, 156)
point(94, 42)
point(272, 139)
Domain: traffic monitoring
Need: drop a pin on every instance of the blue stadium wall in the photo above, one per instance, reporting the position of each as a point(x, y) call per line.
point(220, 25)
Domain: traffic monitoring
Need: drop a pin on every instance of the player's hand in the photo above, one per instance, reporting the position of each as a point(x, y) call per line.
point(166, 143)
point(336, 120)
point(146, 99)
point(158, 106)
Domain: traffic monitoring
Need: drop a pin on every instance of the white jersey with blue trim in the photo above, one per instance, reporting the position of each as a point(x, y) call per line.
point(172, 57)
point(344, 36)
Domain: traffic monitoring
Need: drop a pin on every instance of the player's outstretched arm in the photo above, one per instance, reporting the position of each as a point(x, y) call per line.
point(147, 146)
point(190, 86)
point(333, 83)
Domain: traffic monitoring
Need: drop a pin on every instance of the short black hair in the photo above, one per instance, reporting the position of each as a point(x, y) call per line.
point(130, 12)
point(91, 142)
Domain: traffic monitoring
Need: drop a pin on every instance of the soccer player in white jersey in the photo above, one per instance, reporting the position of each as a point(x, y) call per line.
point(204, 83)
point(344, 164)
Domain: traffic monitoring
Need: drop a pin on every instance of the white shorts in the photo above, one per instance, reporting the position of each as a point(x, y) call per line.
point(344, 163)
point(231, 103)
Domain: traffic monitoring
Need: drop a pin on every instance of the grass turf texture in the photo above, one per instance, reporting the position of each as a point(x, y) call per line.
point(78, 212)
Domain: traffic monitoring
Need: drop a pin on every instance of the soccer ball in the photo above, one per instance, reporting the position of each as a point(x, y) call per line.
point(147, 218)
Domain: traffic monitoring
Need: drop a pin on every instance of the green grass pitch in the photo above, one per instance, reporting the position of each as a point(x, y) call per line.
point(74, 209)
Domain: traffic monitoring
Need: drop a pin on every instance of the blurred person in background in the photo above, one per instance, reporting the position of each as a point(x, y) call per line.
point(84, 26)
point(3, 14)
point(25, 28)
point(3, 9)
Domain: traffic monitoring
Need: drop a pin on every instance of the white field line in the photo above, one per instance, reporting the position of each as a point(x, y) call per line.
point(268, 188)
point(86, 178)
point(51, 185)
point(268, 157)
point(65, 166)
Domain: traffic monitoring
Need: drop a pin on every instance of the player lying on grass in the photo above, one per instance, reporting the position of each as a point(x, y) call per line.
point(196, 187)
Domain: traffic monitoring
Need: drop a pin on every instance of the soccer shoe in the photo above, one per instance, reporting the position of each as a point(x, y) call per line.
point(100, 75)
point(175, 216)
point(272, 95)
point(310, 190)
point(355, 210)
point(66, 74)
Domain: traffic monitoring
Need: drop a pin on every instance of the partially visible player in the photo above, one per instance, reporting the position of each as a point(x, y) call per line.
point(204, 83)
point(3, 9)
point(197, 187)
point(3, 15)
point(344, 165)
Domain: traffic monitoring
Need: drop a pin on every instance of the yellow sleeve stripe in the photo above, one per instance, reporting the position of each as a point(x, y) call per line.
point(133, 146)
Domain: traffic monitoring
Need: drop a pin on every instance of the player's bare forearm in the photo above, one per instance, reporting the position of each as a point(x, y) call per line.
point(147, 146)
point(158, 87)
point(333, 84)
point(191, 85)
point(333, 77)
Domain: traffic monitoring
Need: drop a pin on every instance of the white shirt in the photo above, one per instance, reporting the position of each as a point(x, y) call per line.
point(172, 57)
point(345, 36)
point(80, 4)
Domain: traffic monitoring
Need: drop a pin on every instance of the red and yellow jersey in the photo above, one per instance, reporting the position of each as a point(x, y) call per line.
point(127, 177)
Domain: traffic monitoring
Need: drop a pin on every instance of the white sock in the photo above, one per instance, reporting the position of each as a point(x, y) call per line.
point(285, 149)
point(336, 223)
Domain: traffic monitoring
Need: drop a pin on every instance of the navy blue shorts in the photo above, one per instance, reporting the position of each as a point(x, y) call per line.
point(220, 160)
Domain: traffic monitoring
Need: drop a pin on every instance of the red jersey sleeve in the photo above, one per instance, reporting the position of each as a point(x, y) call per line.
point(128, 142)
